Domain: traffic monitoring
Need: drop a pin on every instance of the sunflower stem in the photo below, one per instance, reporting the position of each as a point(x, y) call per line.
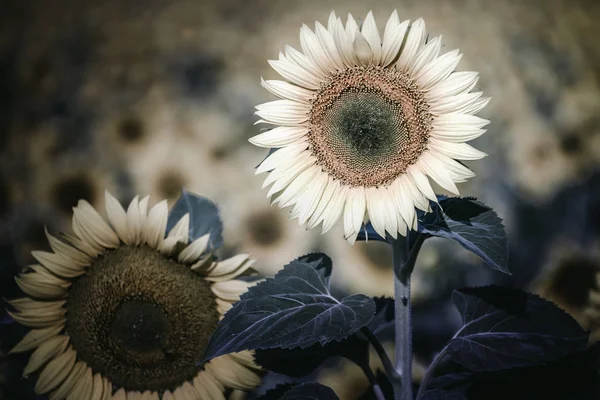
point(404, 259)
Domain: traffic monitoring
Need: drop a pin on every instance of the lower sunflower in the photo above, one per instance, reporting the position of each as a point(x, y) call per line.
point(119, 311)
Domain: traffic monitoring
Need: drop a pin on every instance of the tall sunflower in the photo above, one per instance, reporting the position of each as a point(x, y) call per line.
point(363, 120)
point(119, 311)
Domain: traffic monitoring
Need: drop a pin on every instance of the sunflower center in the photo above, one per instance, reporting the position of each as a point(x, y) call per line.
point(140, 319)
point(367, 125)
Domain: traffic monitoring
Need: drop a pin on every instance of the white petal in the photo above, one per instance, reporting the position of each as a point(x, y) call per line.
point(458, 134)
point(67, 386)
point(362, 49)
point(35, 337)
point(343, 43)
point(48, 350)
point(403, 200)
point(328, 45)
point(458, 127)
point(459, 172)
point(330, 187)
point(134, 222)
point(427, 54)
point(376, 209)
point(92, 227)
point(334, 209)
point(284, 112)
point(393, 223)
point(194, 250)
point(297, 187)
point(230, 290)
point(476, 106)
point(181, 230)
point(437, 171)
point(354, 212)
point(418, 198)
point(280, 136)
point(420, 180)
point(295, 74)
point(97, 388)
point(67, 251)
point(116, 215)
point(232, 374)
point(393, 37)
point(458, 151)
point(414, 42)
point(305, 62)
point(287, 91)
point(456, 83)
point(280, 156)
point(454, 104)
point(55, 372)
point(229, 268)
point(156, 224)
point(83, 388)
point(371, 35)
point(309, 200)
point(312, 48)
point(437, 70)
point(209, 385)
point(59, 264)
point(285, 173)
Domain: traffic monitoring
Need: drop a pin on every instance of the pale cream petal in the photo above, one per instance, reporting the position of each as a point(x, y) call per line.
point(156, 224)
point(415, 40)
point(40, 289)
point(28, 304)
point(312, 48)
point(82, 245)
point(148, 395)
point(334, 209)
point(279, 136)
point(295, 74)
point(168, 396)
point(433, 167)
point(203, 264)
point(371, 35)
point(181, 230)
point(393, 37)
point(95, 226)
point(280, 156)
point(283, 112)
point(459, 172)
point(133, 395)
point(245, 358)
point(392, 225)
point(238, 395)
point(403, 200)
point(297, 187)
point(458, 151)
point(58, 264)
point(232, 374)
point(328, 45)
point(194, 250)
point(458, 134)
point(476, 106)
point(354, 212)
point(317, 217)
point(344, 43)
point(418, 190)
point(351, 26)
point(36, 337)
point(458, 126)
point(83, 388)
point(362, 49)
point(116, 216)
point(437, 70)
point(229, 268)
point(309, 200)
point(97, 388)
point(48, 350)
point(108, 389)
point(206, 384)
point(303, 61)
point(73, 255)
point(287, 91)
point(454, 104)
point(121, 395)
point(55, 372)
point(427, 54)
point(376, 209)
point(39, 318)
point(170, 245)
point(456, 83)
point(223, 306)
point(67, 386)
point(134, 222)
point(231, 290)
point(282, 176)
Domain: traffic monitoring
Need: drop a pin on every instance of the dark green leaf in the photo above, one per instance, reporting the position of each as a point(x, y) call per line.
point(292, 309)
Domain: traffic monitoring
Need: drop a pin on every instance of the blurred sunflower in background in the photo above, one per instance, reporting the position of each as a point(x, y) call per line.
point(362, 123)
point(119, 310)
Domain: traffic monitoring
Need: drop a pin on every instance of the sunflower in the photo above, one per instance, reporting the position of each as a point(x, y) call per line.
point(119, 311)
point(363, 120)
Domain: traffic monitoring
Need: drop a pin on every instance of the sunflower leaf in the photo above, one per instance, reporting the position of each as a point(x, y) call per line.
point(299, 362)
point(438, 394)
point(310, 390)
point(293, 309)
point(503, 329)
point(204, 218)
point(475, 226)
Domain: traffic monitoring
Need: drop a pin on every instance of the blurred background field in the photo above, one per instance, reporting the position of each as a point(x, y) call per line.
point(148, 97)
